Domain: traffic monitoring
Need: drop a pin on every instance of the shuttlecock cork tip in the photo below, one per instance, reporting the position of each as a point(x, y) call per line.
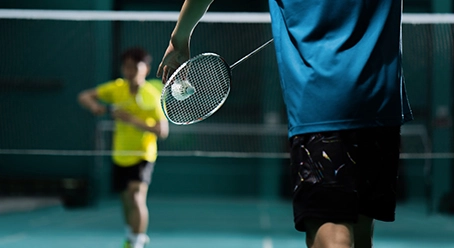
point(190, 90)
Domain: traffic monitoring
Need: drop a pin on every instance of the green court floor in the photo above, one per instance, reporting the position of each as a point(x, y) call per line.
point(204, 223)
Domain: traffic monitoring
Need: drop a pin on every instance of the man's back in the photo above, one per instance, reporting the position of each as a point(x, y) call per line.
point(340, 63)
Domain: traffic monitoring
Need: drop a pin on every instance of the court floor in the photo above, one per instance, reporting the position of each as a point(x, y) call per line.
point(203, 223)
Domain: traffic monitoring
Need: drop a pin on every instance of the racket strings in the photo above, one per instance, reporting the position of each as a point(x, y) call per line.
point(210, 77)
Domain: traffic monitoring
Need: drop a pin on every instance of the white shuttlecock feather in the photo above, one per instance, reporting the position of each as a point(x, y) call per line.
point(182, 89)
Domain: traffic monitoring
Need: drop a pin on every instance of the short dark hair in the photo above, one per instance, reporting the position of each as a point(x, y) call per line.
point(137, 54)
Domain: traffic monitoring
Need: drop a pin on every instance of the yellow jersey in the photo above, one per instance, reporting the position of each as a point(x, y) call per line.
point(128, 138)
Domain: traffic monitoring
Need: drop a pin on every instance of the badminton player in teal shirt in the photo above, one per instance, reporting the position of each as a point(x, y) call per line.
point(342, 82)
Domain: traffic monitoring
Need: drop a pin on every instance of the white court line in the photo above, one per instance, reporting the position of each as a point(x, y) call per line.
point(12, 238)
point(267, 243)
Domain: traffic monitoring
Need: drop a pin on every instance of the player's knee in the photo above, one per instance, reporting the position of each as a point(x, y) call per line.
point(136, 193)
point(327, 234)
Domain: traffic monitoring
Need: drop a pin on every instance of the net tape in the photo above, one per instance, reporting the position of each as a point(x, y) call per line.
point(219, 17)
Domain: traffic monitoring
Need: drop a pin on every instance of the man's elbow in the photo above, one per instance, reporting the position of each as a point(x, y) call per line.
point(81, 98)
point(84, 96)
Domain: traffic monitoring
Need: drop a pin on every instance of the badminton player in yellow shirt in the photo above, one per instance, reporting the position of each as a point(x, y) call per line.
point(139, 122)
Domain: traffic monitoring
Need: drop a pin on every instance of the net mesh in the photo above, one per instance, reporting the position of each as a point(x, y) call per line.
point(49, 60)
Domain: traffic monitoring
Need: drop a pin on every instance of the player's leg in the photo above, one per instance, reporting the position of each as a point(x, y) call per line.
point(125, 211)
point(326, 234)
point(132, 182)
point(135, 200)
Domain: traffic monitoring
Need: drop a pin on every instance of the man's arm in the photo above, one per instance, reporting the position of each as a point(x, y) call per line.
point(161, 128)
point(89, 100)
point(178, 50)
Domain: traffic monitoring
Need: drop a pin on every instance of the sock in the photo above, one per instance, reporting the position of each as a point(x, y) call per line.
point(138, 240)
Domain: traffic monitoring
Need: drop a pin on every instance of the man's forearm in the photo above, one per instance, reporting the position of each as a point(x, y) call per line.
point(160, 129)
point(190, 14)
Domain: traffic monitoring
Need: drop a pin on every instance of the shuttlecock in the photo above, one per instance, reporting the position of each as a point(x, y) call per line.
point(182, 89)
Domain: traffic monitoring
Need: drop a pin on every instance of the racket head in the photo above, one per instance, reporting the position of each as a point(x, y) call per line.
point(209, 77)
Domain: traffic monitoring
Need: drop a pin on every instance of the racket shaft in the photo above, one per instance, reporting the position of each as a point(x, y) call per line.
point(251, 54)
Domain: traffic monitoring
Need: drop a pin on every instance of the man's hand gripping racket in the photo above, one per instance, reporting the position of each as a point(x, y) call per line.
point(198, 88)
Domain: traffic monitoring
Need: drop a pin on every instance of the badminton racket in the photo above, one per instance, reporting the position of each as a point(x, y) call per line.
point(199, 87)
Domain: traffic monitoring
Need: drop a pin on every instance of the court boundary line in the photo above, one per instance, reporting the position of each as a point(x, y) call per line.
point(267, 242)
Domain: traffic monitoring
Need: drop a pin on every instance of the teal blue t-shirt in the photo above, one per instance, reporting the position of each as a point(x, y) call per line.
point(340, 63)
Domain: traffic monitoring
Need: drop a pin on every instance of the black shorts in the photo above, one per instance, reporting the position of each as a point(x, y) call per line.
point(339, 175)
point(122, 175)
